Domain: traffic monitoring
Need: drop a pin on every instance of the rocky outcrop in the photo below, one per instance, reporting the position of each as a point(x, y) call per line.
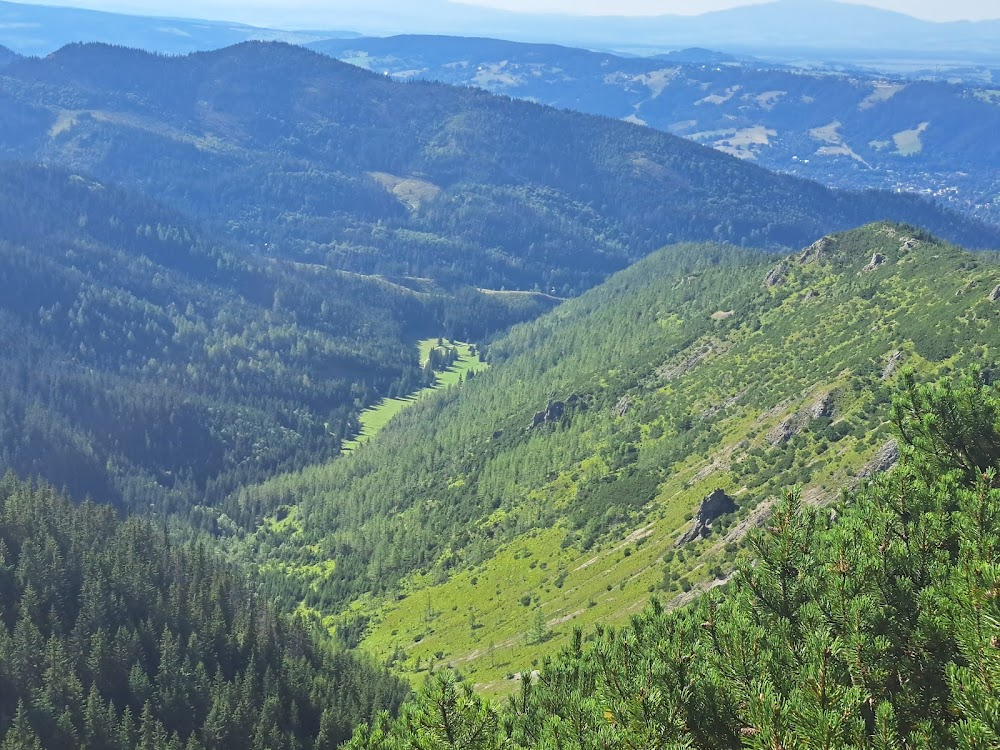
point(822, 406)
point(776, 276)
point(892, 364)
point(877, 260)
point(995, 294)
point(782, 433)
point(715, 505)
point(884, 460)
point(817, 250)
point(623, 405)
point(552, 413)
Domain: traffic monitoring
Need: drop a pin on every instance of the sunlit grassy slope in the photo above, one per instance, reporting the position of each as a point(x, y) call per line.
point(374, 419)
point(486, 522)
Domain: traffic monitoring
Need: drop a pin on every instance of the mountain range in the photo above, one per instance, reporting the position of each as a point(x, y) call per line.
point(308, 158)
point(315, 382)
point(41, 29)
point(852, 129)
point(788, 30)
point(317, 219)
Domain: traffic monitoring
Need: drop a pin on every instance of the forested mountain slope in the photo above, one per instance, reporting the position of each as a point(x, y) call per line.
point(851, 130)
point(7, 56)
point(145, 363)
point(876, 625)
point(115, 637)
point(309, 158)
point(553, 489)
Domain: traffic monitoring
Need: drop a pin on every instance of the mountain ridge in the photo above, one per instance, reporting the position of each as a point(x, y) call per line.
point(850, 129)
point(41, 29)
point(312, 155)
point(564, 476)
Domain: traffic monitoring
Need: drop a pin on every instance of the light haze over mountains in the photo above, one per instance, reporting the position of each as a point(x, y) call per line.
point(783, 30)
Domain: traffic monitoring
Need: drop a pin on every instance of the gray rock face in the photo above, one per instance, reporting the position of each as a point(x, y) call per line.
point(892, 364)
point(817, 250)
point(822, 406)
point(715, 505)
point(782, 433)
point(995, 294)
point(884, 460)
point(877, 260)
point(775, 276)
point(552, 413)
point(624, 404)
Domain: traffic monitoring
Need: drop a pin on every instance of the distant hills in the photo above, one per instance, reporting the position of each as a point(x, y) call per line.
point(782, 30)
point(41, 29)
point(851, 130)
point(310, 159)
point(7, 55)
point(785, 30)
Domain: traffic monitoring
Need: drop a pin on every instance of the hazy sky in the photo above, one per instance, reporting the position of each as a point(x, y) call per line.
point(937, 10)
point(251, 10)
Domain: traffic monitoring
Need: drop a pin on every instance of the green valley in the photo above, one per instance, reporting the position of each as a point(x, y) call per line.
point(485, 523)
point(374, 418)
point(338, 411)
point(871, 624)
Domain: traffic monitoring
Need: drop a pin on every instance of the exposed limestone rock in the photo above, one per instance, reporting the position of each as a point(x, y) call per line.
point(782, 433)
point(895, 359)
point(908, 243)
point(623, 405)
point(884, 460)
point(776, 276)
point(555, 411)
point(552, 413)
point(995, 294)
point(877, 260)
point(822, 406)
point(817, 250)
point(715, 505)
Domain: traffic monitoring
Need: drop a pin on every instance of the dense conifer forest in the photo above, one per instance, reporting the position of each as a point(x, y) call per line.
point(555, 485)
point(113, 636)
point(212, 265)
point(150, 364)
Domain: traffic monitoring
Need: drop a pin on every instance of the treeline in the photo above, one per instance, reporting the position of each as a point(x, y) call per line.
point(115, 637)
point(147, 363)
point(872, 624)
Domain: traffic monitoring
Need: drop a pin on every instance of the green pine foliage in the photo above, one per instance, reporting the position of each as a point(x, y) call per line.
point(872, 624)
point(115, 637)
